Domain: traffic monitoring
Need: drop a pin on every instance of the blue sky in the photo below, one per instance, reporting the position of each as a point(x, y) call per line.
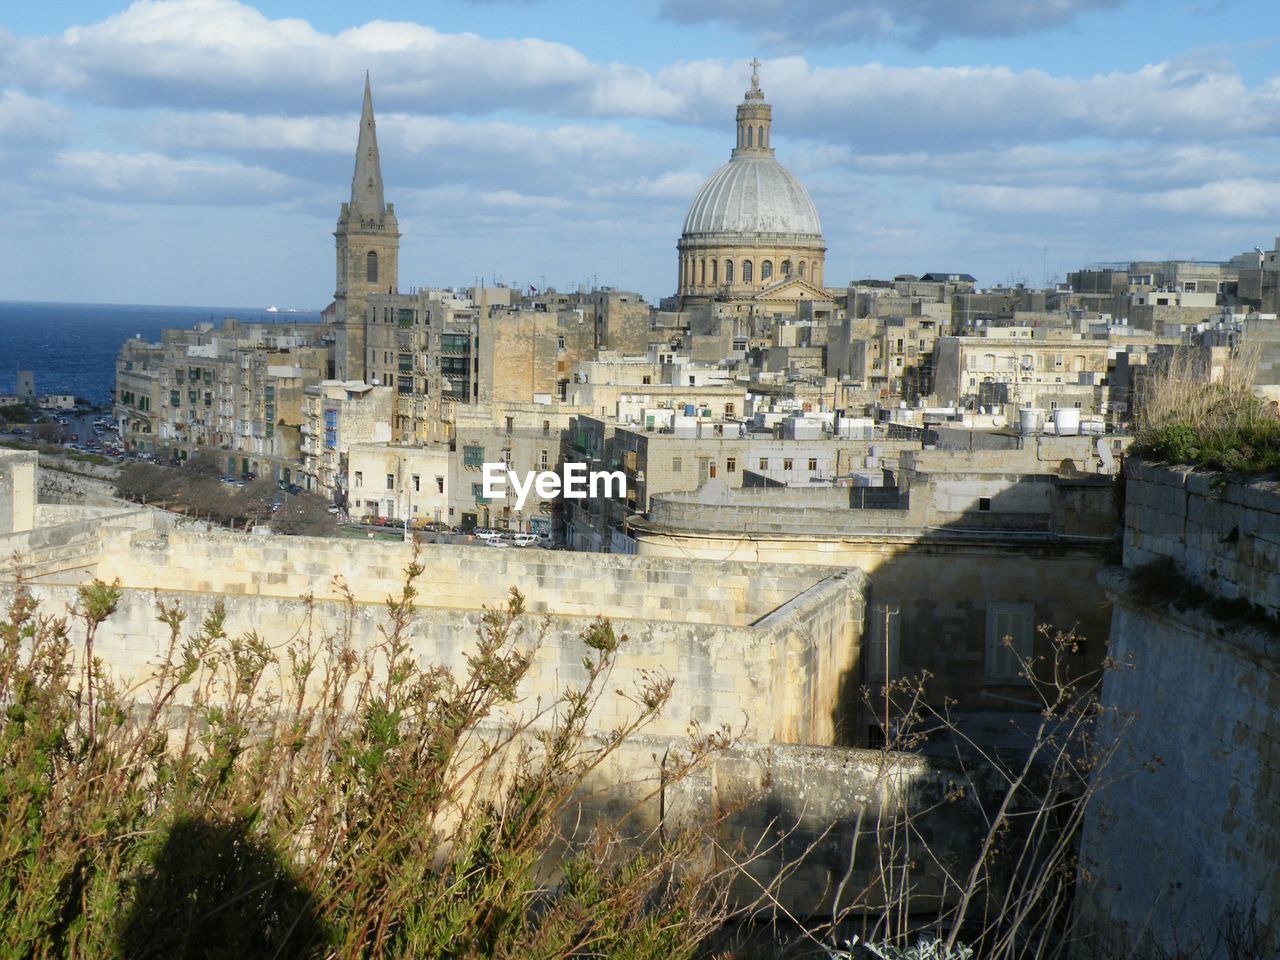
point(196, 151)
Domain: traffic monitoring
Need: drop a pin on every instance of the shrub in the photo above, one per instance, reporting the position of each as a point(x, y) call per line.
point(1187, 418)
point(306, 799)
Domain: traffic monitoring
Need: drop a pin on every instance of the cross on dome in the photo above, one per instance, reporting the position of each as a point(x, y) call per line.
point(755, 93)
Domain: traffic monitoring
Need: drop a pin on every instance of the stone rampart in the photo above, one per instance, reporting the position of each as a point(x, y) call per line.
point(1183, 852)
point(457, 577)
point(762, 649)
point(1222, 534)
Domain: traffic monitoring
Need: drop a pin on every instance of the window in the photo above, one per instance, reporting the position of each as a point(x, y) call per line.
point(787, 463)
point(542, 460)
point(786, 268)
point(702, 272)
point(728, 271)
point(646, 379)
point(371, 267)
point(801, 269)
point(711, 471)
point(439, 484)
point(715, 272)
point(676, 464)
point(510, 424)
point(359, 478)
point(391, 481)
point(559, 343)
point(731, 465)
point(472, 456)
point(764, 463)
point(417, 483)
point(546, 428)
point(766, 270)
point(1012, 622)
point(813, 463)
point(884, 643)
point(746, 271)
point(984, 503)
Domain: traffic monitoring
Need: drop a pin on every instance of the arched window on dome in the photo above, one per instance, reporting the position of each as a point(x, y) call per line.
point(715, 273)
point(760, 136)
point(371, 267)
point(746, 271)
point(766, 270)
point(801, 269)
point(728, 271)
point(749, 132)
point(702, 273)
point(786, 268)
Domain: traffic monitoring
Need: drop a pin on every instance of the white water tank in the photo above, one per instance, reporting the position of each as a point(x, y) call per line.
point(1030, 420)
point(1066, 421)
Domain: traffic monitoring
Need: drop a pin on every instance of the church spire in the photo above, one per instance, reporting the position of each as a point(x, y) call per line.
point(367, 201)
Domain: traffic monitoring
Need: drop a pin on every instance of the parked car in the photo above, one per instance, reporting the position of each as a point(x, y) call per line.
point(525, 539)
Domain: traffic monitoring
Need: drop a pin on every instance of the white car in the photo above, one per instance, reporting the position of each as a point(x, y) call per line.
point(525, 539)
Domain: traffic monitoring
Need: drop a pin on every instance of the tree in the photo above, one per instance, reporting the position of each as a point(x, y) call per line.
point(206, 463)
point(304, 514)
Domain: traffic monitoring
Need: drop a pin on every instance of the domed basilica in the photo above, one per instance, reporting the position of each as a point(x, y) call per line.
point(752, 232)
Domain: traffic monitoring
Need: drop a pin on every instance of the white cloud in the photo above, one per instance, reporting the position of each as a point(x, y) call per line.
point(1018, 201)
point(26, 120)
point(1247, 199)
point(223, 53)
point(808, 23)
point(152, 177)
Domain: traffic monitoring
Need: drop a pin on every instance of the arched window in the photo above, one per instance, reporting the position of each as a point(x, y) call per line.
point(786, 268)
point(371, 267)
point(766, 270)
point(801, 269)
point(749, 132)
point(760, 137)
point(728, 271)
point(746, 271)
point(702, 272)
point(715, 272)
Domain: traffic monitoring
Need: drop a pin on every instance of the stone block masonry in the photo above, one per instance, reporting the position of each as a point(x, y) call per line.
point(1222, 534)
point(1185, 850)
point(760, 648)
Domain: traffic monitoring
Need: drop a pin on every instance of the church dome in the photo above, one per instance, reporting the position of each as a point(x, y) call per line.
point(752, 195)
point(752, 225)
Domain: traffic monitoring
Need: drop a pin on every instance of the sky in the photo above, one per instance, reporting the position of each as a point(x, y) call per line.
point(197, 151)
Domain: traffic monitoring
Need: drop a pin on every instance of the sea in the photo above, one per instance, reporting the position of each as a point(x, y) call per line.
point(71, 347)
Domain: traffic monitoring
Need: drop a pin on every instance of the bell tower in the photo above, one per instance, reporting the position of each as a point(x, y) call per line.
point(367, 246)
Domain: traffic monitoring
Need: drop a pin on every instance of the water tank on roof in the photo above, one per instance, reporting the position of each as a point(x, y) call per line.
point(1066, 421)
point(1030, 420)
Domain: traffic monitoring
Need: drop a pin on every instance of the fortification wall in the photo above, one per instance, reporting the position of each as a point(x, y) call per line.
point(1222, 534)
point(1186, 848)
point(67, 541)
point(560, 582)
point(773, 679)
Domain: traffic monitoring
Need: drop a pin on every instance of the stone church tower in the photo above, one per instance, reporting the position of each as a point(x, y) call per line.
point(368, 248)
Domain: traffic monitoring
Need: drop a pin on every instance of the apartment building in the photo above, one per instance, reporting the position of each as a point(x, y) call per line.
point(236, 389)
